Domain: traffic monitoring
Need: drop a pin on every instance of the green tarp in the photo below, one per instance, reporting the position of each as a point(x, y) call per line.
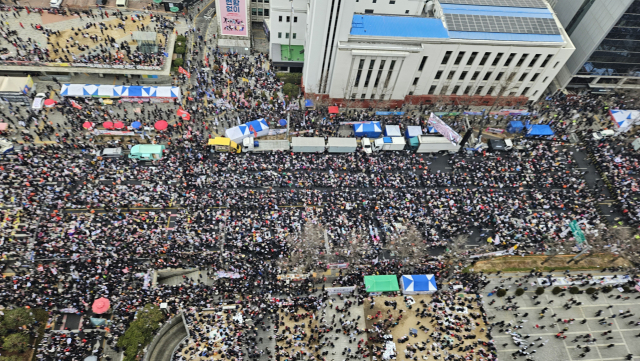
point(385, 283)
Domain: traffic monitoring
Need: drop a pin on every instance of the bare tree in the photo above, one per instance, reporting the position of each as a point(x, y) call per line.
point(348, 95)
point(306, 250)
point(408, 246)
point(505, 86)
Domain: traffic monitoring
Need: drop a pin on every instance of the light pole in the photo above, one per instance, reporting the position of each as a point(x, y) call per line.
point(290, 24)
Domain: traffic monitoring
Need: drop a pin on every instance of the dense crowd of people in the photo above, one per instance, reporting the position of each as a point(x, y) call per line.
point(87, 227)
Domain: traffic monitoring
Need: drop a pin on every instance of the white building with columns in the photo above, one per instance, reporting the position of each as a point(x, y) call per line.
point(417, 50)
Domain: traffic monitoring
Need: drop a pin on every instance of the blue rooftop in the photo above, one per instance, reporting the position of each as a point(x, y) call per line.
point(398, 26)
point(496, 11)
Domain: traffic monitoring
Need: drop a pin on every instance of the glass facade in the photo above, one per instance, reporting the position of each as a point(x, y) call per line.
point(619, 53)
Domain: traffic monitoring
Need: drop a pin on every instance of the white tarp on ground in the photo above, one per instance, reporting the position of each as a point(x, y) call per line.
point(624, 119)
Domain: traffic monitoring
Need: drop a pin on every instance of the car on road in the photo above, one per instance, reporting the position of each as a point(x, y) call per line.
point(55, 3)
point(38, 102)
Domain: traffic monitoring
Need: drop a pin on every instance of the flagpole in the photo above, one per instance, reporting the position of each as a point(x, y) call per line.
point(290, 23)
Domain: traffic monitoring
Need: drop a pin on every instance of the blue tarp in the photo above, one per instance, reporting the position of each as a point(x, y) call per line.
point(515, 126)
point(308, 103)
point(539, 130)
point(412, 284)
point(370, 130)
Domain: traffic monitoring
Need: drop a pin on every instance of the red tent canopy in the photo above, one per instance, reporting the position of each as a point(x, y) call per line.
point(118, 125)
point(161, 125)
point(101, 305)
point(107, 125)
point(49, 103)
point(334, 110)
point(87, 125)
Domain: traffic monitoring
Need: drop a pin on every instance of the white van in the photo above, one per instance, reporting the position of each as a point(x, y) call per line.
point(38, 102)
point(122, 3)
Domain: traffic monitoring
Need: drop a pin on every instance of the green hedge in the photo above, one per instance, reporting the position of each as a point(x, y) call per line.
point(177, 62)
point(291, 90)
point(180, 49)
point(293, 78)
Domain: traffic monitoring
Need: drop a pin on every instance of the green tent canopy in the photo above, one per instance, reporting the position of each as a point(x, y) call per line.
point(384, 283)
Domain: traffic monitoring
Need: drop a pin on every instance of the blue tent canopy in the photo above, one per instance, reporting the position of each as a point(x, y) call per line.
point(136, 125)
point(370, 130)
point(308, 103)
point(416, 284)
point(539, 130)
point(515, 126)
point(282, 122)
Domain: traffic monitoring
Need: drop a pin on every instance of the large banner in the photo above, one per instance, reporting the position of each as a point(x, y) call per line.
point(233, 17)
point(444, 129)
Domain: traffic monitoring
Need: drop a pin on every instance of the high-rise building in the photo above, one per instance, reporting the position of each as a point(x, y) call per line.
point(606, 34)
point(475, 51)
point(287, 28)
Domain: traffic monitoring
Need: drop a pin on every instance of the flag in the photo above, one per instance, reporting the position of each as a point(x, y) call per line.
point(182, 71)
point(444, 129)
point(253, 130)
point(497, 239)
point(166, 55)
point(75, 105)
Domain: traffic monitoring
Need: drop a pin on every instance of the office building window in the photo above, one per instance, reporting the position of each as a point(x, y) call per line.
point(455, 89)
point(497, 59)
point(360, 66)
point(487, 76)
point(375, 1)
point(353, 96)
point(475, 75)
point(463, 75)
point(490, 90)
point(545, 79)
point(259, 11)
point(439, 74)
point(254, 11)
point(294, 35)
point(523, 76)
point(391, 66)
point(366, 80)
point(500, 74)
point(295, 19)
point(372, 96)
point(534, 93)
point(266, 12)
point(485, 57)
point(362, 96)
point(424, 60)
point(546, 60)
point(525, 91)
point(447, 55)
point(509, 59)
point(280, 18)
point(415, 81)
point(279, 35)
point(472, 58)
point(535, 76)
point(286, 35)
point(522, 59)
point(432, 89)
point(556, 64)
point(451, 74)
point(467, 90)
point(479, 90)
point(382, 62)
point(459, 58)
point(392, 2)
point(368, 11)
point(288, 19)
point(534, 60)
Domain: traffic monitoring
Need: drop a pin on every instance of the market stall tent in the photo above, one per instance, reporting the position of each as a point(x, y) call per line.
point(383, 283)
point(369, 130)
point(392, 131)
point(115, 91)
point(515, 126)
point(413, 131)
point(255, 128)
point(418, 284)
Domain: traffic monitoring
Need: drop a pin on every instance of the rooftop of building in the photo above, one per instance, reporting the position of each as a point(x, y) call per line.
point(498, 20)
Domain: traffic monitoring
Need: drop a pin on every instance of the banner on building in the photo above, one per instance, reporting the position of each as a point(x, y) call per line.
point(337, 265)
point(389, 113)
point(233, 17)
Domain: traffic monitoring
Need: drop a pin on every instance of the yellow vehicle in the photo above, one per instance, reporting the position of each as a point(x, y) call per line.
point(221, 144)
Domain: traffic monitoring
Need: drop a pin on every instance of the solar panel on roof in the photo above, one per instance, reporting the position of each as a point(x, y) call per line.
point(501, 24)
point(507, 3)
